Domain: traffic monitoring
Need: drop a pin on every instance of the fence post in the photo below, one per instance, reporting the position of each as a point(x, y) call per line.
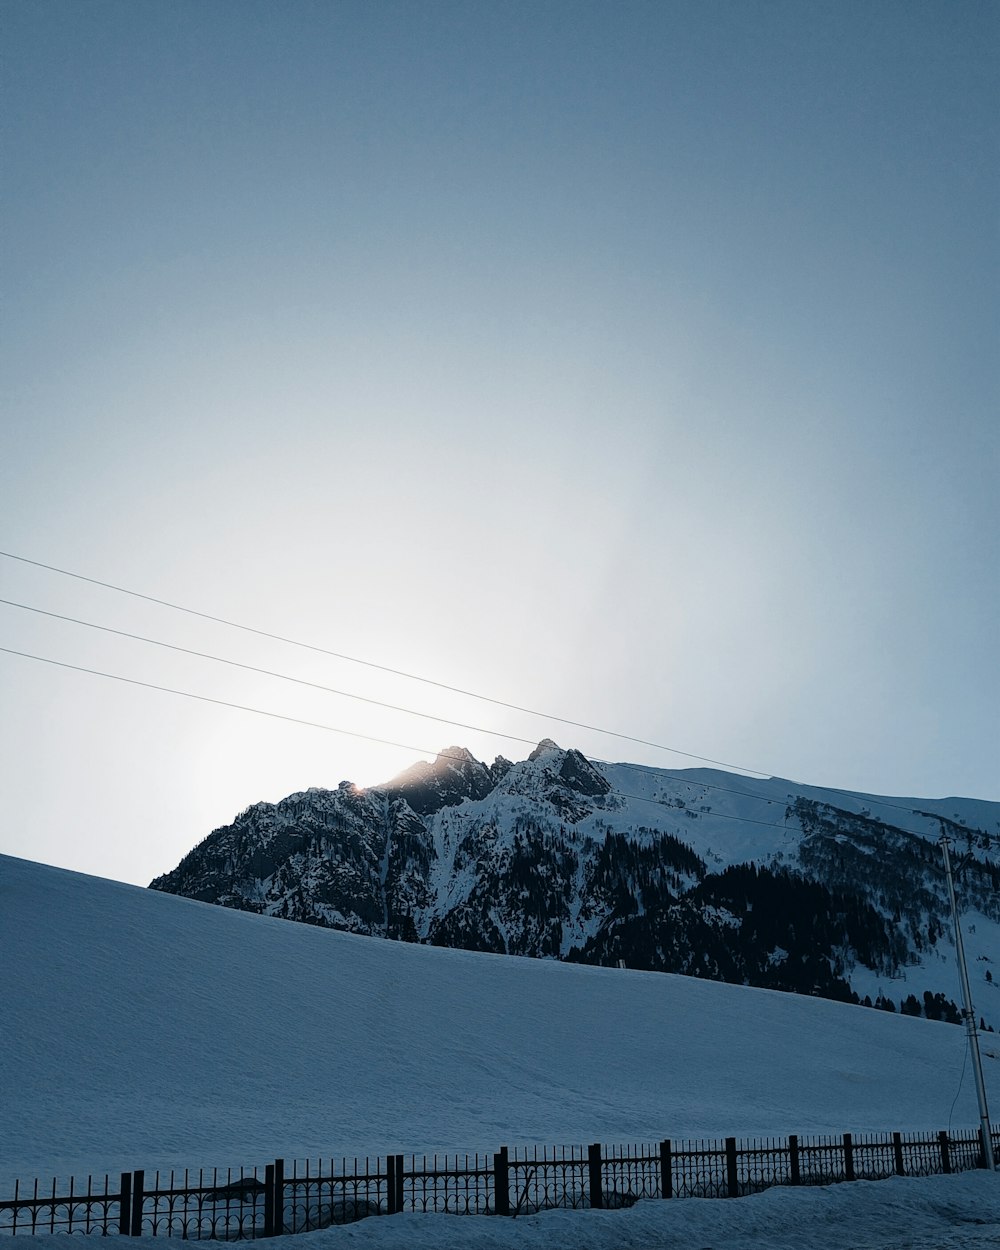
point(945, 1152)
point(897, 1150)
point(732, 1176)
point(399, 1183)
point(666, 1170)
point(125, 1206)
point(269, 1200)
point(279, 1197)
point(793, 1157)
point(137, 1197)
point(594, 1168)
point(390, 1182)
point(501, 1183)
point(848, 1157)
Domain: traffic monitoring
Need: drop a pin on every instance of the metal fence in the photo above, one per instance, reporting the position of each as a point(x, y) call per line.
point(233, 1204)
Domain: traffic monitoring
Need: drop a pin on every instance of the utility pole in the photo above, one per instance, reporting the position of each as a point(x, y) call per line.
point(985, 1130)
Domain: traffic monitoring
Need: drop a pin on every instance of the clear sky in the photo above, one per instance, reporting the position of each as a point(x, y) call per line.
point(636, 362)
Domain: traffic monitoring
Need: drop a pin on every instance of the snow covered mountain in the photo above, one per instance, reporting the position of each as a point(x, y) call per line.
point(760, 882)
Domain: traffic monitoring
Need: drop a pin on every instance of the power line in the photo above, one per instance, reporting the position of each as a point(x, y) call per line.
point(383, 668)
point(204, 698)
point(870, 799)
point(496, 733)
point(267, 672)
point(351, 733)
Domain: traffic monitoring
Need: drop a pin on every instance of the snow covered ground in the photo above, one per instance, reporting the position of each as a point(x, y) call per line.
point(957, 1213)
point(145, 1030)
point(939, 1213)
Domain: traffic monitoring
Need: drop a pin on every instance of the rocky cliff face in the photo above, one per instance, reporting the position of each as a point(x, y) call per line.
point(694, 871)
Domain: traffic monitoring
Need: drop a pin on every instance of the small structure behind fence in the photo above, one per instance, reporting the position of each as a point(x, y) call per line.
point(230, 1205)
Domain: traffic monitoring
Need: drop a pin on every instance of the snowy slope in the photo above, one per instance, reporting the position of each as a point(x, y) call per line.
point(145, 1030)
point(733, 816)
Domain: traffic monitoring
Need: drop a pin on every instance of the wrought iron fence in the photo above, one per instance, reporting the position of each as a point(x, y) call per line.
point(314, 1196)
point(453, 1184)
point(239, 1204)
point(223, 1205)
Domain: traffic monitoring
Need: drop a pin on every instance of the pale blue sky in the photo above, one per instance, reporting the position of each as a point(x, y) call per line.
point(636, 362)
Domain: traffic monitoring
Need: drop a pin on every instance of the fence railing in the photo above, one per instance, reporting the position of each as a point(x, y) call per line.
point(233, 1204)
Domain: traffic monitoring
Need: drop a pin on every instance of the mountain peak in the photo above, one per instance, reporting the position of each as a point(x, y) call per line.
point(454, 755)
point(545, 747)
point(455, 775)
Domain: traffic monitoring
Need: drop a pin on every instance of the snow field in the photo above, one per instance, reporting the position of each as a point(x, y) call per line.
point(145, 1030)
